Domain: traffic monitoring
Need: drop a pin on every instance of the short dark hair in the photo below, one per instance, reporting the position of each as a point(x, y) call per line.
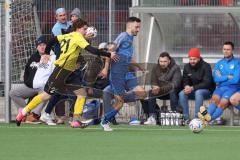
point(133, 19)
point(79, 23)
point(229, 43)
point(164, 54)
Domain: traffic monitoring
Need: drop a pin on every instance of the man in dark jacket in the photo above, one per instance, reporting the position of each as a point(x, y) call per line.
point(197, 82)
point(36, 74)
point(165, 73)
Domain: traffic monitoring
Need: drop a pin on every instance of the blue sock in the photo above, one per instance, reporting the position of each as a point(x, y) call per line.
point(218, 112)
point(238, 106)
point(212, 107)
point(109, 116)
point(52, 102)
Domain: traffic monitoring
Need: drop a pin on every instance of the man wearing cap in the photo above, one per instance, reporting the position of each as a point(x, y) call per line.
point(60, 27)
point(75, 15)
point(62, 24)
point(36, 74)
point(197, 82)
point(226, 75)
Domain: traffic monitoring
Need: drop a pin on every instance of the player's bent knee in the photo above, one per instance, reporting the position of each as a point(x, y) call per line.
point(45, 96)
point(215, 100)
point(234, 101)
point(81, 93)
point(141, 94)
point(224, 103)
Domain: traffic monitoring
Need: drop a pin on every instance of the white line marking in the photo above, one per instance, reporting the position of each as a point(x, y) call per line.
point(227, 129)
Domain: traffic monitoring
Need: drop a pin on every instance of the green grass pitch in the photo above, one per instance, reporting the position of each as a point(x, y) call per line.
point(41, 142)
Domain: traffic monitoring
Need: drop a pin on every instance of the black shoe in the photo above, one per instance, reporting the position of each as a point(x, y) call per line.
point(114, 122)
point(97, 121)
point(221, 122)
point(18, 123)
point(186, 122)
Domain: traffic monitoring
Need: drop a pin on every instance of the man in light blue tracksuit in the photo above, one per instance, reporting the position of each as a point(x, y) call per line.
point(60, 27)
point(226, 75)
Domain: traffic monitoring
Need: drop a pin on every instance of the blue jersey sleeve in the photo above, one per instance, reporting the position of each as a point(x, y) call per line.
point(56, 30)
point(218, 79)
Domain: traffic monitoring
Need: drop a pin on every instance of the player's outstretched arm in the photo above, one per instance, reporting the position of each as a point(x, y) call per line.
point(104, 73)
point(99, 52)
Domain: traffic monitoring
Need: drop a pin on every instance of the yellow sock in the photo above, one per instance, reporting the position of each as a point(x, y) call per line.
point(78, 106)
point(34, 103)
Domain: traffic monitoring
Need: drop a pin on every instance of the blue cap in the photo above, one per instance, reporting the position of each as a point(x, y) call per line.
point(60, 10)
point(41, 39)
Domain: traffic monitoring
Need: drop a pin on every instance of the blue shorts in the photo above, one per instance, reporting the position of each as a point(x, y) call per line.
point(121, 79)
point(131, 81)
point(225, 92)
point(121, 85)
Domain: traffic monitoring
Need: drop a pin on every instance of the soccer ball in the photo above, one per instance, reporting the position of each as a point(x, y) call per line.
point(196, 125)
point(91, 31)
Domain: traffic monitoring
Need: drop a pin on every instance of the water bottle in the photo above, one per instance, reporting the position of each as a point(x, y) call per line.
point(167, 119)
point(163, 119)
point(177, 119)
point(180, 119)
point(174, 118)
point(171, 119)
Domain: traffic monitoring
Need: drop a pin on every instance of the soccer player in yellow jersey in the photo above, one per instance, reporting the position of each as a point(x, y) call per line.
point(71, 45)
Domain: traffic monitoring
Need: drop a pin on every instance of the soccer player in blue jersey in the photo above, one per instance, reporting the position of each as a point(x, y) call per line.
point(226, 75)
point(119, 70)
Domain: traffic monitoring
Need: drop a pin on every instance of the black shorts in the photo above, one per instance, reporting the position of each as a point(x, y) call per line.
point(57, 82)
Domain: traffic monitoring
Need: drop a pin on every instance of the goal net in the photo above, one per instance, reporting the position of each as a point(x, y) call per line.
point(23, 32)
point(23, 36)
